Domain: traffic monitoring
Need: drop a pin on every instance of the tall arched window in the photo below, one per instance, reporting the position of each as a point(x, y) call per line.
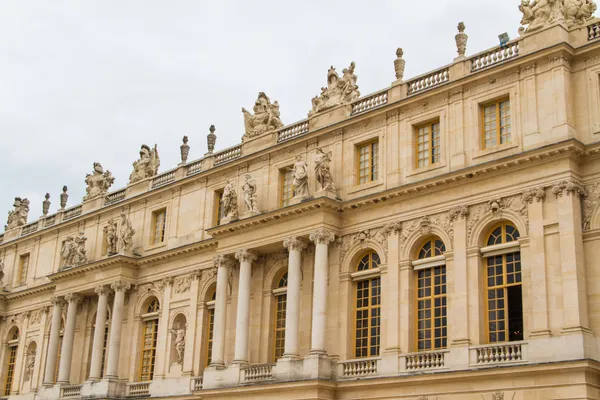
point(367, 331)
point(60, 343)
point(503, 284)
point(104, 343)
point(210, 326)
point(149, 336)
point(280, 294)
point(430, 273)
point(11, 359)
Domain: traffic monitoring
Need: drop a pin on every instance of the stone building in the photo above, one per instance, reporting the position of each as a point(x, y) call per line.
point(438, 239)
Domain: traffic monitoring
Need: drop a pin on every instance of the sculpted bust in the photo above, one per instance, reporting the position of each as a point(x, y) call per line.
point(265, 117)
point(98, 182)
point(146, 166)
point(338, 91)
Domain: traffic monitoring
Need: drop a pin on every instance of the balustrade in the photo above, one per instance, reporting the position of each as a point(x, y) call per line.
point(425, 360)
point(594, 31)
point(256, 373)
point(498, 353)
point(194, 168)
point(115, 197)
point(28, 229)
point(163, 179)
point(72, 212)
point(70, 392)
point(494, 56)
point(369, 103)
point(49, 221)
point(428, 81)
point(228, 155)
point(356, 368)
point(292, 131)
point(197, 383)
point(137, 389)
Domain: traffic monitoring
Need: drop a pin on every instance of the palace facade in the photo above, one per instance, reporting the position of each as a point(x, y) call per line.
point(438, 239)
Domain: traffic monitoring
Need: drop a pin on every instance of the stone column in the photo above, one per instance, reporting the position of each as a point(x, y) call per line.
point(575, 310)
point(160, 365)
point(192, 323)
point(321, 237)
point(53, 341)
point(21, 359)
point(292, 315)
point(114, 344)
point(245, 258)
point(223, 263)
point(64, 368)
point(98, 343)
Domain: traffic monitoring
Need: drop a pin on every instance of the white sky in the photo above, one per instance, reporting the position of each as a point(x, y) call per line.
point(84, 81)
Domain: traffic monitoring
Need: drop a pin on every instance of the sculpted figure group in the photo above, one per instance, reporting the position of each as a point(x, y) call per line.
point(73, 251)
point(118, 234)
point(540, 13)
point(146, 166)
point(338, 91)
point(18, 216)
point(265, 117)
point(98, 182)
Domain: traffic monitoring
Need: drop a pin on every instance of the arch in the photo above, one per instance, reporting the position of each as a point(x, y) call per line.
point(432, 246)
point(144, 301)
point(209, 287)
point(413, 242)
point(480, 229)
point(13, 333)
point(177, 317)
point(274, 272)
point(358, 250)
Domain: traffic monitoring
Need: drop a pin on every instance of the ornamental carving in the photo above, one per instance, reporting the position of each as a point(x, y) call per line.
point(118, 235)
point(35, 317)
point(538, 194)
point(244, 255)
point(295, 243)
point(379, 235)
point(495, 207)
point(568, 187)
point(18, 216)
point(146, 166)
point(590, 204)
point(461, 40)
point(98, 182)
point(73, 298)
point(182, 284)
point(1, 274)
point(322, 236)
point(538, 14)
point(338, 91)
point(73, 251)
point(265, 117)
point(29, 362)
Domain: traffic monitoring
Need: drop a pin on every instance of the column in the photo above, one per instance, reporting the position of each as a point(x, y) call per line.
point(114, 344)
point(571, 256)
point(537, 262)
point(192, 323)
point(20, 356)
point(321, 237)
point(390, 293)
point(163, 330)
point(64, 368)
point(53, 341)
point(223, 263)
point(292, 316)
point(245, 257)
point(458, 305)
point(405, 307)
point(98, 343)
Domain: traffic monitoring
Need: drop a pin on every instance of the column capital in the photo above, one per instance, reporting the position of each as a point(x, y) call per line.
point(457, 212)
point(570, 186)
point(295, 243)
point(57, 301)
point(222, 260)
point(538, 193)
point(196, 274)
point(44, 309)
point(101, 290)
point(392, 228)
point(322, 236)
point(244, 255)
point(120, 286)
point(73, 298)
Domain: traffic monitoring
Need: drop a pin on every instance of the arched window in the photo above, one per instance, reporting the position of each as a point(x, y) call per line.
point(503, 284)
point(11, 359)
point(104, 343)
point(149, 336)
point(430, 272)
point(367, 328)
point(210, 327)
point(60, 343)
point(280, 294)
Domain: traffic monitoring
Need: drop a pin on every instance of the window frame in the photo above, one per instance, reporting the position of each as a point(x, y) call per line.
point(429, 124)
point(151, 315)
point(23, 268)
point(283, 201)
point(279, 292)
point(498, 138)
point(11, 363)
point(377, 153)
point(154, 226)
point(210, 326)
point(217, 197)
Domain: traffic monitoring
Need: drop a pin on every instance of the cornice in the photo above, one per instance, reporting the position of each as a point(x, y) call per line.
point(47, 287)
point(187, 249)
point(320, 203)
point(103, 263)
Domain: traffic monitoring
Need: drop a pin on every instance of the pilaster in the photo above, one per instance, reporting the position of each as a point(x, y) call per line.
point(163, 331)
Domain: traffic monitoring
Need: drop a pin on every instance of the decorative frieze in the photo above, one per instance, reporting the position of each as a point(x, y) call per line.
point(495, 207)
point(590, 204)
point(182, 284)
point(568, 187)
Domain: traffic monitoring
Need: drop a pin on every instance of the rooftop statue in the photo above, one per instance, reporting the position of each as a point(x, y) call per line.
point(338, 91)
point(538, 14)
point(97, 182)
point(265, 117)
point(18, 216)
point(146, 166)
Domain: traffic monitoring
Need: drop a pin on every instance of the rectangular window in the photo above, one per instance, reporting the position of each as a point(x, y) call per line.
point(432, 323)
point(368, 162)
point(10, 370)
point(505, 298)
point(23, 268)
point(497, 127)
point(280, 310)
point(368, 318)
point(428, 144)
point(217, 208)
point(287, 191)
point(211, 330)
point(159, 222)
point(148, 349)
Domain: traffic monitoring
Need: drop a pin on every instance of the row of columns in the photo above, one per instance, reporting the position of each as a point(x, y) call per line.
point(295, 245)
point(114, 346)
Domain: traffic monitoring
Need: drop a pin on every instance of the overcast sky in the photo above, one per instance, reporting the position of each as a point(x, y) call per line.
point(84, 81)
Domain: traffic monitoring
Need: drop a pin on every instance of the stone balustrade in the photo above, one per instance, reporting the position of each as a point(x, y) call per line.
point(494, 56)
point(196, 383)
point(428, 81)
point(115, 197)
point(424, 360)
point(70, 392)
point(357, 368)
point(194, 168)
point(29, 229)
point(292, 131)
point(593, 31)
point(163, 179)
point(369, 103)
point(49, 221)
point(256, 373)
point(137, 389)
point(498, 353)
point(72, 212)
point(227, 155)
